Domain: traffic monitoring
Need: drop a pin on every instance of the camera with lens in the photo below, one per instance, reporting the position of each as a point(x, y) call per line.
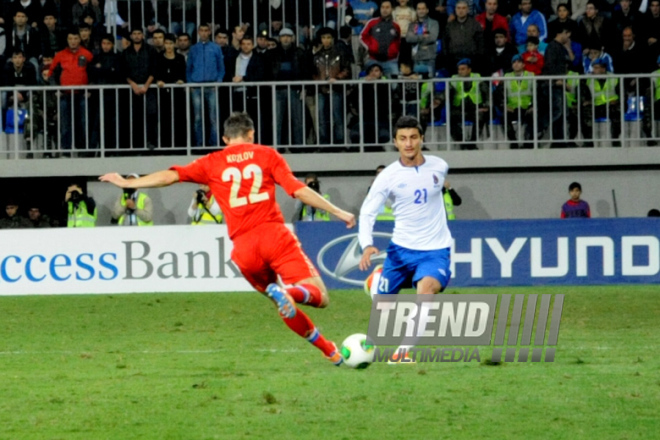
point(75, 197)
point(200, 196)
point(314, 184)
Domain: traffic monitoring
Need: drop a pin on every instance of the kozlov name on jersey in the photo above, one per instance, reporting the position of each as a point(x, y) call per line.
point(235, 158)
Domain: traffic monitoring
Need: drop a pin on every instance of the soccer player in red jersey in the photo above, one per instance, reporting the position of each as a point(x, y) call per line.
point(242, 178)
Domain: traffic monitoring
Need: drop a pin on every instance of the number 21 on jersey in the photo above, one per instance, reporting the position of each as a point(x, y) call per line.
point(421, 196)
point(234, 175)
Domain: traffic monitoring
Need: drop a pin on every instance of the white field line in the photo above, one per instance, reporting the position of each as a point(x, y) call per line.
point(70, 352)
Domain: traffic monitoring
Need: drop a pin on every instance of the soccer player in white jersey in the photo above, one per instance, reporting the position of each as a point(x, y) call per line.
point(419, 250)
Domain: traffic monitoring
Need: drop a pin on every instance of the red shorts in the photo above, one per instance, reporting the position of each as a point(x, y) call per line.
point(270, 250)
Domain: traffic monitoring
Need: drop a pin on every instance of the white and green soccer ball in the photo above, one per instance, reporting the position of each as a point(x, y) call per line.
point(357, 351)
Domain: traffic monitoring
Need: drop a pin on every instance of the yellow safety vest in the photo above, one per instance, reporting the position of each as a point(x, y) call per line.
point(603, 94)
point(319, 215)
point(206, 218)
point(79, 217)
point(385, 214)
point(474, 94)
point(571, 89)
point(518, 93)
point(139, 205)
point(449, 206)
point(656, 82)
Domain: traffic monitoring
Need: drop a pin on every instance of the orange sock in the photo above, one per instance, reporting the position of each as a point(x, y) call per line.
point(302, 325)
point(305, 294)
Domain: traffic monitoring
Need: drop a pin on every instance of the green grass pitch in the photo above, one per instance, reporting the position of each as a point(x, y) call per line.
point(224, 366)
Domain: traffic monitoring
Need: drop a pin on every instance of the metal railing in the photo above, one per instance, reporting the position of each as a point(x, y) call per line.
point(343, 116)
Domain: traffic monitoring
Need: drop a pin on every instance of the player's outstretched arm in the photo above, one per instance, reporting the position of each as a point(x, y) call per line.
point(310, 197)
point(153, 180)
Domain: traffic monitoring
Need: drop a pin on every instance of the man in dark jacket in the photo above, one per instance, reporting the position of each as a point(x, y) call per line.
point(463, 39)
point(104, 70)
point(25, 38)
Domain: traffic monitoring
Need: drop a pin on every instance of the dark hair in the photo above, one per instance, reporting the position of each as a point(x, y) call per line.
point(84, 26)
point(221, 31)
point(20, 11)
point(574, 185)
point(345, 31)
point(247, 37)
point(108, 37)
point(73, 31)
point(593, 3)
point(18, 52)
point(238, 125)
point(562, 27)
point(564, 5)
point(201, 25)
point(533, 40)
point(373, 66)
point(170, 37)
point(653, 213)
point(158, 31)
point(184, 34)
point(407, 122)
point(325, 31)
point(48, 53)
point(391, 2)
point(499, 31)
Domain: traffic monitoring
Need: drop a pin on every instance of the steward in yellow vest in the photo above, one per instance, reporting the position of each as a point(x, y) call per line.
point(204, 210)
point(469, 102)
point(601, 102)
point(516, 96)
point(81, 210)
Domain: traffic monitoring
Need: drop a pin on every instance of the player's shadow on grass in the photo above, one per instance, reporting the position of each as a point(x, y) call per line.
point(470, 208)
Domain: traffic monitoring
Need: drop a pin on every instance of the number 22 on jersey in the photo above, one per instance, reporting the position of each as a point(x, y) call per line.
point(234, 175)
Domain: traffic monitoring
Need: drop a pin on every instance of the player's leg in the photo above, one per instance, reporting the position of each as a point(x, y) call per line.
point(285, 256)
point(396, 271)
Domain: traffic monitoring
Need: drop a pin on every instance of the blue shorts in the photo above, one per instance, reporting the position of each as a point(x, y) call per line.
point(405, 266)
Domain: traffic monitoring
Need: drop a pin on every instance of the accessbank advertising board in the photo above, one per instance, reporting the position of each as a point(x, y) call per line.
point(509, 252)
point(197, 258)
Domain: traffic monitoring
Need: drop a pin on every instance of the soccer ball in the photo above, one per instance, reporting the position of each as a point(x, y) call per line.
point(357, 351)
point(371, 283)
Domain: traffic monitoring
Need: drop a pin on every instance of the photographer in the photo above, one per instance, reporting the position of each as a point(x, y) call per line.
point(204, 210)
point(133, 208)
point(81, 210)
point(307, 213)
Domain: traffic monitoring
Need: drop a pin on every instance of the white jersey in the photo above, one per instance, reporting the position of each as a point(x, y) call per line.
point(417, 205)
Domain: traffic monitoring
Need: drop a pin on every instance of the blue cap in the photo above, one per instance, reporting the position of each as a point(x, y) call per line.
point(600, 62)
point(464, 61)
point(516, 58)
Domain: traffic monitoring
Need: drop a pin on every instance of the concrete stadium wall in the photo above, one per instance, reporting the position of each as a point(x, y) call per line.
point(501, 195)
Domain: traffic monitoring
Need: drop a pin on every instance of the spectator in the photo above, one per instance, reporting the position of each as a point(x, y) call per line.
point(247, 66)
point(626, 16)
point(183, 45)
point(557, 59)
point(104, 70)
point(595, 27)
point(205, 65)
point(73, 63)
point(600, 100)
point(171, 69)
point(81, 209)
point(501, 54)
point(264, 93)
point(412, 89)
point(490, 21)
point(290, 66)
point(133, 207)
point(564, 19)
point(38, 220)
point(24, 38)
point(86, 41)
point(376, 113)
point(474, 9)
point(382, 39)
point(236, 37)
point(85, 8)
point(422, 36)
point(33, 10)
point(363, 11)
point(330, 66)
point(575, 207)
point(158, 41)
point(137, 64)
point(221, 38)
point(463, 37)
point(516, 98)
point(204, 209)
point(578, 7)
point(13, 220)
point(532, 57)
point(451, 199)
point(404, 15)
point(53, 39)
point(632, 58)
point(594, 51)
point(183, 16)
point(652, 28)
point(533, 32)
point(16, 103)
point(523, 19)
point(344, 45)
point(307, 213)
point(469, 102)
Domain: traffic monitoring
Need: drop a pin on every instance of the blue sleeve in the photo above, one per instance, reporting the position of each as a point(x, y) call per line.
point(543, 26)
point(221, 65)
point(451, 6)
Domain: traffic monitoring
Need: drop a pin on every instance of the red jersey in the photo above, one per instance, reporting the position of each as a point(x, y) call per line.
point(242, 178)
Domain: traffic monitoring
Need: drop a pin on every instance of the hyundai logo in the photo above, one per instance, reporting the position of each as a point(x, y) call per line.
point(348, 263)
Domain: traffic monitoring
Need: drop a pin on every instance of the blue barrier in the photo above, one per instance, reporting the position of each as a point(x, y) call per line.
point(509, 252)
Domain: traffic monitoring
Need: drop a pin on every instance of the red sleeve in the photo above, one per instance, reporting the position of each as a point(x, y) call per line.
point(195, 171)
point(283, 176)
point(367, 39)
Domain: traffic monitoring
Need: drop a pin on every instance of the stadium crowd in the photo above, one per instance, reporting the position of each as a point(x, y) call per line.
point(155, 45)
